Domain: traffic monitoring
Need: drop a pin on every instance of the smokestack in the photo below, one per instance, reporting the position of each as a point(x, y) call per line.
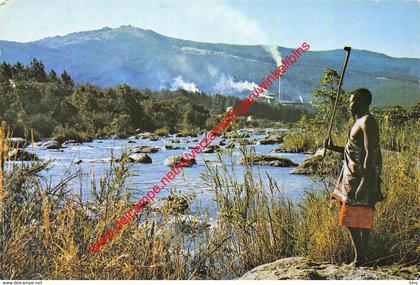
point(272, 49)
point(301, 99)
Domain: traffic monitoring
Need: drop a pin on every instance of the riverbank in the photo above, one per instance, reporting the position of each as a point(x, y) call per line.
point(254, 220)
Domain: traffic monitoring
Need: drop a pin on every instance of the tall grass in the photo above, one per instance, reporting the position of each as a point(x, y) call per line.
point(257, 221)
point(48, 228)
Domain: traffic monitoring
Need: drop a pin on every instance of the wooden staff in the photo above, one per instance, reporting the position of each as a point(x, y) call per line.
point(347, 49)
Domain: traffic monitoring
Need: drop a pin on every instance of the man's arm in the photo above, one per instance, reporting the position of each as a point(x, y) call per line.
point(337, 148)
point(328, 144)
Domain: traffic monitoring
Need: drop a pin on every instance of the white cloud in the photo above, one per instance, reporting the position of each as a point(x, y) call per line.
point(226, 84)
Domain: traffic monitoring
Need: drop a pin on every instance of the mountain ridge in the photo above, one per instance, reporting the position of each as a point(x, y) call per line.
point(146, 59)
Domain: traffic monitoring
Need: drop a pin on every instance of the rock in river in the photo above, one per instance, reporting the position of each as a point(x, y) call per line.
point(237, 135)
point(74, 142)
point(171, 147)
point(173, 204)
point(272, 139)
point(52, 145)
point(269, 160)
point(312, 165)
point(173, 160)
point(211, 148)
point(145, 149)
point(20, 154)
point(140, 158)
point(16, 142)
point(293, 150)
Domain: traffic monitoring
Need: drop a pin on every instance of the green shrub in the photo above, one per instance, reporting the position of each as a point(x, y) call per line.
point(163, 132)
point(187, 132)
point(62, 134)
point(43, 125)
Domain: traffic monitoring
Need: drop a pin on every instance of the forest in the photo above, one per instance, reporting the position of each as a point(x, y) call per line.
point(53, 105)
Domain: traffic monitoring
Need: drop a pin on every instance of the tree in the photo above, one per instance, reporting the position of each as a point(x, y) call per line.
point(5, 71)
point(414, 112)
point(52, 76)
point(36, 71)
point(324, 98)
point(66, 79)
point(130, 103)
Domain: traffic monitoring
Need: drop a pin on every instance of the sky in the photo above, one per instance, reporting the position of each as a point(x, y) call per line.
point(390, 27)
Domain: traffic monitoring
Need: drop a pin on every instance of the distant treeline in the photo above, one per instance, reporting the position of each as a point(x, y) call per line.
point(51, 104)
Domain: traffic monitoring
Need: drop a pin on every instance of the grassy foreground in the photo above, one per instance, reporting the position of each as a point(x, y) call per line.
point(47, 229)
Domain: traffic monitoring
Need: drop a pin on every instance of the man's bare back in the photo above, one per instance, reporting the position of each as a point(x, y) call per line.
point(365, 126)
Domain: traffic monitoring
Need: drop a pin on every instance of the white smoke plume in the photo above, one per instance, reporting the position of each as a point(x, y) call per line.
point(212, 70)
point(272, 49)
point(180, 83)
point(274, 53)
point(226, 84)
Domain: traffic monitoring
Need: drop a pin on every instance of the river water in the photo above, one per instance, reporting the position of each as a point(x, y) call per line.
point(95, 157)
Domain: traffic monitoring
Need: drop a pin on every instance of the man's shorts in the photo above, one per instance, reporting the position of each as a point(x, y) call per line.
point(356, 217)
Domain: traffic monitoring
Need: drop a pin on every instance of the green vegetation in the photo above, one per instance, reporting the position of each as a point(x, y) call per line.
point(255, 224)
point(404, 92)
point(161, 132)
point(47, 230)
point(53, 105)
point(309, 133)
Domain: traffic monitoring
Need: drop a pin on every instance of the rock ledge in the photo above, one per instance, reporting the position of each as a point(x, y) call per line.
point(302, 268)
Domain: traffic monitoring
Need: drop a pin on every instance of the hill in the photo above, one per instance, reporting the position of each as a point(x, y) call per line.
point(145, 59)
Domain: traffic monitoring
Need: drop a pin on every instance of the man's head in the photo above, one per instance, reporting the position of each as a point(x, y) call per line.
point(360, 100)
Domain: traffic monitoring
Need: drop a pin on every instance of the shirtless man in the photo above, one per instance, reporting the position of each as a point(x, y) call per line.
point(358, 187)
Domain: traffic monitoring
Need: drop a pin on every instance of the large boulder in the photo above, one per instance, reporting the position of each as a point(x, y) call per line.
point(20, 154)
point(301, 268)
point(174, 160)
point(313, 165)
point(268, 160)
point(139, 158)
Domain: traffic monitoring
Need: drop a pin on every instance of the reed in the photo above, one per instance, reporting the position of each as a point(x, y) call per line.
point(47, 228)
